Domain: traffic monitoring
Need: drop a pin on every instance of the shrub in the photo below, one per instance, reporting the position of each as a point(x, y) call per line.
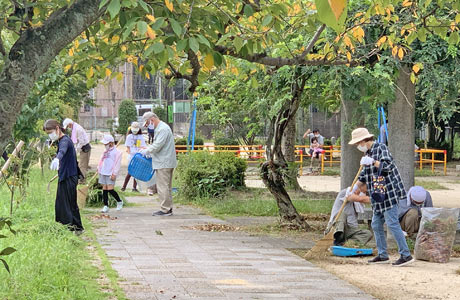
point(225, 141)
point(203, 174)
point(127, 113)
point(183, 141)
point(161, 113)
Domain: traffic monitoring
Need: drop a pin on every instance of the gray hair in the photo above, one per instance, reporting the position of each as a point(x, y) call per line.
point(148, 115)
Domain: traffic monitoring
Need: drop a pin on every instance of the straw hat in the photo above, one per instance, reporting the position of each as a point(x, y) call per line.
point(358, 135)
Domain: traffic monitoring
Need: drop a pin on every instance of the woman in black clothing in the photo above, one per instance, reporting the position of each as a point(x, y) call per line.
point(65, 162)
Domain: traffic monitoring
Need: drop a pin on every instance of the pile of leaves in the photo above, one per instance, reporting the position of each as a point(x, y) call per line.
point(213, 227)
point(435, 239)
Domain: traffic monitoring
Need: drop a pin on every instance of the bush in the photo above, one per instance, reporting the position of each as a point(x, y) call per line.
point(161, 113)
point(127, 113)
point(202, 174)
point(225, 141)
point(183, 141)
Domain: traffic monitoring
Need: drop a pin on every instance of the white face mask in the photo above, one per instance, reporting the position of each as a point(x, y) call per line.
point(362, 148)
point(135, 131)
point(53, 136)
point(316, 135)
point(107, 147)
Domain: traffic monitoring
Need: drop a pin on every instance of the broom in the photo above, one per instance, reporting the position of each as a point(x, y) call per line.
point(323, 244)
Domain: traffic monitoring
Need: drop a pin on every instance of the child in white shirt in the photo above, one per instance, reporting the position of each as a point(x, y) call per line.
point(108, 169)
point(134, 142)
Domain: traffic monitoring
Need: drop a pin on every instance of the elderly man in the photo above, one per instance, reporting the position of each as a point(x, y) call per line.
point(347, 224)
point(163, 153)
point(409, 211)
point(80, 140)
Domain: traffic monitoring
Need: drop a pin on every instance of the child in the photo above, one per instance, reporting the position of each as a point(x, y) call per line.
point(108, 168)
point(134, 142)
point(316, 151)
point(150, 131)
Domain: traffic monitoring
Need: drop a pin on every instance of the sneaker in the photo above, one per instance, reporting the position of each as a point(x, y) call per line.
point(79, 232)
point(123, 189)
point(105, 209)
point(150, 192)
point(120, 205)
point(162, 213)
point(403, 261)
point(379, 260)
point(135, 190)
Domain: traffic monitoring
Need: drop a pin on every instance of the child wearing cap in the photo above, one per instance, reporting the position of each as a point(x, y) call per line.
point(108, 169)
point(135, 141)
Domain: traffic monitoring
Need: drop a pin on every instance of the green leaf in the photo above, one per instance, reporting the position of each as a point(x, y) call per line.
point(5, 264)
point(238, 43)
point(327, 16)
point(176, 27)
point(181, 45)
point(267, 20)
point(193, 43)
point(158, 47)
point(203, 40)
point(411, 37)
point(143, 5)
point(148, 51)
point(7, 251)
point(218, 59)
point(103, 3)
point(248, 10)
point(142, 27)
point(158, 23)
point(114, 8)
point(422, 34)
point(453, 38)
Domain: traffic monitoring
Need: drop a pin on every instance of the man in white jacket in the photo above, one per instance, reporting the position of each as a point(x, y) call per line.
point(347, 224)
point(163, 154)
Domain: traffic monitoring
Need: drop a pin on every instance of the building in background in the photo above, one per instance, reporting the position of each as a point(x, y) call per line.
point(146, 93)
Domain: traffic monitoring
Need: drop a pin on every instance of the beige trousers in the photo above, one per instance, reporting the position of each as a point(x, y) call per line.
point(84, 162)
point(164, 186)
point(410, 222)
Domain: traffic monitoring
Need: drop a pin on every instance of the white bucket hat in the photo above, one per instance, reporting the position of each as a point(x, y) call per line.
point(358, 135)
point(107, 139)
point(416, 194)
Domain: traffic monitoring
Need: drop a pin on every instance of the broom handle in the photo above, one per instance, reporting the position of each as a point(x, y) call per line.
point(346, 199)
point(15, 152)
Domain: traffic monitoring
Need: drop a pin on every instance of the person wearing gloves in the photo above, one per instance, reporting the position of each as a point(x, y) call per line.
point(385, 186)
point(108, 169)
point(409, 209)
point(65, 162)
point(81, 141)
point(163, 154)
point(346, 227)
point(134, 142)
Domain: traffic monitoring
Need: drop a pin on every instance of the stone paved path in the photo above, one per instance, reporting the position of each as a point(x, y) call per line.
point(160, 258)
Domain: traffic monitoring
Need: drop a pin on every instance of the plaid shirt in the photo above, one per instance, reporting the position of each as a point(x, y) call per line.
point(395, 186)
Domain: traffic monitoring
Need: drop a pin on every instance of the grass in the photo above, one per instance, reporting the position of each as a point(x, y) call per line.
point(50, 261)
point(427, 173)
point(258, 202)
point(430, 185)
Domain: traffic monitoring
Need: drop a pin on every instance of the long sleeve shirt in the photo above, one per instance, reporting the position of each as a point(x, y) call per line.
point(394, 184)
point(79, 136)
point(351, 209)
point(163, 150)
point(403, 208)
point(67, 158)
point(110, 162)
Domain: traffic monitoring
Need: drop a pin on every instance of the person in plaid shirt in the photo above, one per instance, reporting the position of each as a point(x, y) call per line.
point(384, 210)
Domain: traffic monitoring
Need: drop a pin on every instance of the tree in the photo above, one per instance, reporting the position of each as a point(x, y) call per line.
point(127, 113)
point(41, 35)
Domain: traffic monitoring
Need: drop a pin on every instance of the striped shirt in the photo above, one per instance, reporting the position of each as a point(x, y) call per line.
point(395, 186)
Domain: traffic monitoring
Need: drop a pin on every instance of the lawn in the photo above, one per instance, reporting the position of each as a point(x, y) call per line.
point(259, 202)
point(50, 261)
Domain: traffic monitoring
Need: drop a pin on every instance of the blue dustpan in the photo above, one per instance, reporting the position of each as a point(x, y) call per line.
point(344, 251)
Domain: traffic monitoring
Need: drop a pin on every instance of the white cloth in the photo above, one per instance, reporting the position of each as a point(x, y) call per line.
point(162, 150)
point(134, 142)
point(367, 161)
point(79, 136)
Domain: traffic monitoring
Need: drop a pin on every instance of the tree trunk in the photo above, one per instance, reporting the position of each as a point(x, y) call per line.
point(288, 148)
point(273, 169)
point(401, 127)
point(351, 117)
point(32, 54)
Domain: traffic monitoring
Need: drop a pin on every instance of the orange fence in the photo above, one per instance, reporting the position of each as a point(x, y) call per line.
point(331, 155)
